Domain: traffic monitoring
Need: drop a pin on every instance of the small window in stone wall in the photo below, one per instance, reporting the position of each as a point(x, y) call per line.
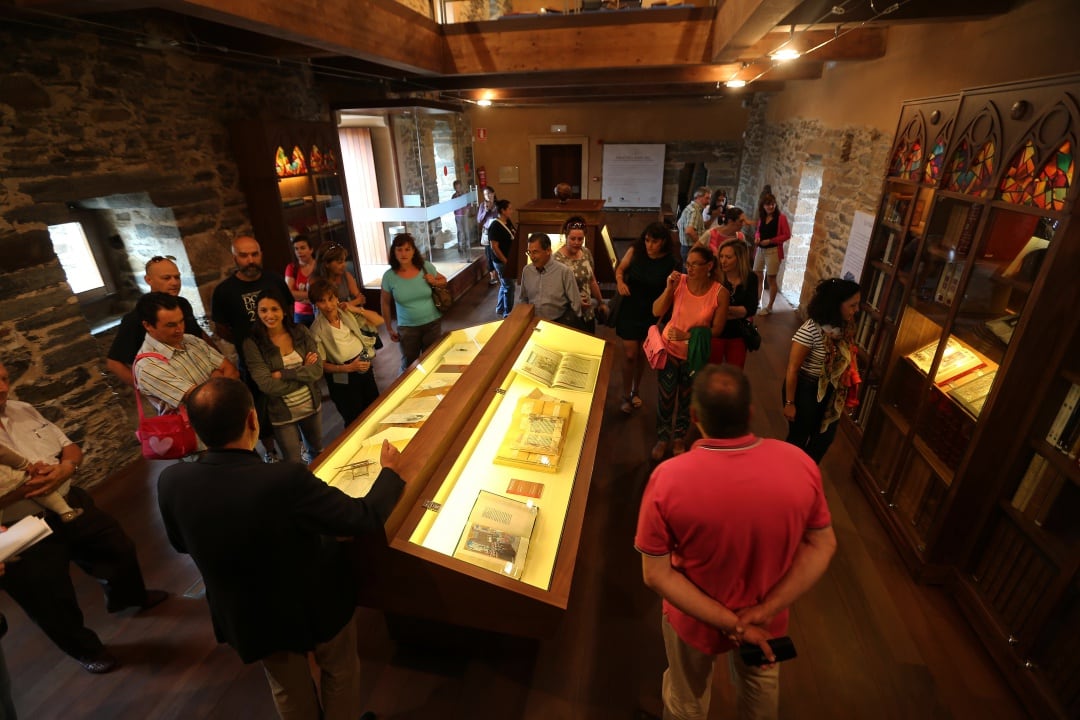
point(85, 274)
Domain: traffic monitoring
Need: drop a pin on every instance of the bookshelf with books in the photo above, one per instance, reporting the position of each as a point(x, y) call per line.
point(487, 533)
point(970, 440)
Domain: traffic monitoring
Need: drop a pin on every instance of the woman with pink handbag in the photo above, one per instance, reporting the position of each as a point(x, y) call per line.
point(699, 306)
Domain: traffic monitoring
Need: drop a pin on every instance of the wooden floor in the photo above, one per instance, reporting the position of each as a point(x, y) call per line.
point(872, 644)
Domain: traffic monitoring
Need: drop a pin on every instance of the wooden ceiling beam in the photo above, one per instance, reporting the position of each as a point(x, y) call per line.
point(740, 24)
point(502, 48)
point(857, 44)
point(384, 31)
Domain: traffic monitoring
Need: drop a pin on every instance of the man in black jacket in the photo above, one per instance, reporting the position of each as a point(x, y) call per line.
point(277, 583)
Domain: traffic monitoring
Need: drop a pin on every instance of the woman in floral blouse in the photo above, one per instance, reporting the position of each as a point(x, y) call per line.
point(577, 257)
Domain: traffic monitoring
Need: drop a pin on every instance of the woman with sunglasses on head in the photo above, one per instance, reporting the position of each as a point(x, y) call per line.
point(346, 343)
point(772, 232)
point(283, 360)
point(407, 306)
point(728, 227)
point(331, 263)
point(640, 278)
point(822, 376)
point(741, 284)
point(698, 306)
point(297, 275)
point(578, 258)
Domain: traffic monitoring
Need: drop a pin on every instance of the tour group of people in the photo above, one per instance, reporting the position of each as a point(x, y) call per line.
point(726, 569)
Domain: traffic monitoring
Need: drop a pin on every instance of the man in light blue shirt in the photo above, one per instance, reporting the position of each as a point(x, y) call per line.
point(549, 286)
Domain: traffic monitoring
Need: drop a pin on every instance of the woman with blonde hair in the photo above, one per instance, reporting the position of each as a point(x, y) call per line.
point(741, 284)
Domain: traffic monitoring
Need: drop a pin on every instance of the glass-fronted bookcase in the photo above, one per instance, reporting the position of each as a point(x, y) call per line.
point(969, 426)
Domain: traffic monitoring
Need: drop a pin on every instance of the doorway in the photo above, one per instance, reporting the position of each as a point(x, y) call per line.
point(793, 269)
point(558, 164)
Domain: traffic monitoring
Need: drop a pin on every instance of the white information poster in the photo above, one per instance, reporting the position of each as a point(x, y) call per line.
point(633, 176)
point(858, 245)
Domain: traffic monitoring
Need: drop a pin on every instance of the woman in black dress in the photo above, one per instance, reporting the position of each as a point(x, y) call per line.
point(641, 277)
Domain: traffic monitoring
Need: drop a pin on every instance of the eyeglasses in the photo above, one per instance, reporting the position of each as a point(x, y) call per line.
point(534, 253)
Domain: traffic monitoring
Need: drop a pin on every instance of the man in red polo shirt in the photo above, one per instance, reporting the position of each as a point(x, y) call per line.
point(730, 534)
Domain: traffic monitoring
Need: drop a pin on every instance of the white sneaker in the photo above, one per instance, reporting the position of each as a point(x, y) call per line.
point(764, 311)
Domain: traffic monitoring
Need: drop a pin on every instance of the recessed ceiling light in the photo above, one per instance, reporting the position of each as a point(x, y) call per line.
point(785, 54)
point(735, 83)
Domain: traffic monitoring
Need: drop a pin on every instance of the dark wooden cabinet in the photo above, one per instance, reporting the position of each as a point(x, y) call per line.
point(294, 183)
point(969, 347)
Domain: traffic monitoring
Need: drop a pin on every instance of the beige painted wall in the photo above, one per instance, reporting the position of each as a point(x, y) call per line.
point(937, 59)
point(510, 130)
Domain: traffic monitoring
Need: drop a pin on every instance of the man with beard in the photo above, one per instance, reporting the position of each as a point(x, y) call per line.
point(233, 312)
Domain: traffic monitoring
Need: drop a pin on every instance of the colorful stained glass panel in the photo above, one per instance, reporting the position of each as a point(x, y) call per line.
point(913, 161)
point(934, 161)
point(1046, 188)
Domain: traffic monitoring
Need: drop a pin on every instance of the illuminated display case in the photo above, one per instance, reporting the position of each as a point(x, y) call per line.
point(455, 550)
point(969, 425)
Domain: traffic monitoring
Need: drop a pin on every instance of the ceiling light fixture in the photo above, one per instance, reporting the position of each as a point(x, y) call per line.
point(785, 54)
point(735, 83)
point(486, 102)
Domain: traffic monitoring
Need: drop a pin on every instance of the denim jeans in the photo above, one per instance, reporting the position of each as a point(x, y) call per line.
point(288, 436)
point(506, 291)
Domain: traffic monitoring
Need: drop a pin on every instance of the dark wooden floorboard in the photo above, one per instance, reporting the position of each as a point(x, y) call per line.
point(872, 644)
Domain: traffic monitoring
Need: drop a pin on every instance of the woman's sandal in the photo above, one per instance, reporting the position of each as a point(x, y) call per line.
point(627, 405)
point(635, 399)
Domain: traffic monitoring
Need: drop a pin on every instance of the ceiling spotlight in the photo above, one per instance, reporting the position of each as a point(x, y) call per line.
point(486, 102)
point(838, 10)
point(785, 54)
point(735, 83)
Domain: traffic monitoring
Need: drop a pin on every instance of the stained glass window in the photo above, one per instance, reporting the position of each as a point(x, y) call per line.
point(288, 167)
point(971, 175)
point(913, 161)
point(934, 161)
point(896, 167)
point(1046, 188)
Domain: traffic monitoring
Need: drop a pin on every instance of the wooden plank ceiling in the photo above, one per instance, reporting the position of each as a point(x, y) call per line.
point(379, 47)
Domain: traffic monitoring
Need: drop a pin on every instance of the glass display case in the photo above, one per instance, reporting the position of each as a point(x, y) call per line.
point(498, 427)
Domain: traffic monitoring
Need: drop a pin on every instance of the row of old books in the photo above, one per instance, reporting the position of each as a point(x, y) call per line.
point(1064, 432)
point(1040, 490)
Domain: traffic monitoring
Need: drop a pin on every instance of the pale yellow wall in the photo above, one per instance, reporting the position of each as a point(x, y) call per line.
point(509, 131)
point(1037, 39)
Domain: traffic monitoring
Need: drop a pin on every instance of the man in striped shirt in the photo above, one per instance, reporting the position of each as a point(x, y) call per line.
point(186, 361)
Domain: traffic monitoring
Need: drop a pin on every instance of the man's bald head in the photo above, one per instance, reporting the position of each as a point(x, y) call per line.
point(248, 257)
point(721, 401)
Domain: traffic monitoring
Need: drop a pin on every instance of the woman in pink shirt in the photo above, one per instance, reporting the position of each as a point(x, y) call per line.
point(696, 300)
point(296, 277)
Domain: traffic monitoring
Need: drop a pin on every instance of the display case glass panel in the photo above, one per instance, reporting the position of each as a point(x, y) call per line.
point(354, 464)
point(522, 415)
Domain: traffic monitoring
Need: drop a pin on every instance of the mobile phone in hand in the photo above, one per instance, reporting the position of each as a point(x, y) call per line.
point(783, 648)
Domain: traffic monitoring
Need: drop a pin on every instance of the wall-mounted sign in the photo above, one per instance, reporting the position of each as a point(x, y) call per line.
point(481, 134)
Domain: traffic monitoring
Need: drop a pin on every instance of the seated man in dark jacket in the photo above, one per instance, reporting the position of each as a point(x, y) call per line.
point(277, 583)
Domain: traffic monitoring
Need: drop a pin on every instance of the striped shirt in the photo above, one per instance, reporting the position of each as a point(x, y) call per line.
point(809, 335)
point(165, 383)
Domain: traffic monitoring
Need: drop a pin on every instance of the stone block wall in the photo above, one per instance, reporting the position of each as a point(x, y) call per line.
point(721, 160)
point(850, 162)
point(87, 119)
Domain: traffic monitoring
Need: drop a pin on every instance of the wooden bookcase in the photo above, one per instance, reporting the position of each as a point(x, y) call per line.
point(293, 181)
point(969, 346)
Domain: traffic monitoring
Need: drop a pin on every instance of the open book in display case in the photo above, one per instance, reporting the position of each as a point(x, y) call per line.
point(477, 541)
point(968, 348)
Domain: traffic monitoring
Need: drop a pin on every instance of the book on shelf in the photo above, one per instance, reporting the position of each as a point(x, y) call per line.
point(536, 437)
point(972, 389)
point(1070, 432)
point(1044, 496)
point(889, 245)
point(1003, 327)
point(955, 360)
point(876, 288)
point(948, 282)
point(967, 230)
point(1035, 469)
point(1065, 412)
point(497, 534)
point(559, 369)
point(951, 238)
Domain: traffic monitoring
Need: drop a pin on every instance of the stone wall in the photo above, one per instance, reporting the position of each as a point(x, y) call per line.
point(87, 119)
point(790, 156)
point(721, 160)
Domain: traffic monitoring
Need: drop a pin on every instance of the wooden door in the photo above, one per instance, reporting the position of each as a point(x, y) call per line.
point(556, 164)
